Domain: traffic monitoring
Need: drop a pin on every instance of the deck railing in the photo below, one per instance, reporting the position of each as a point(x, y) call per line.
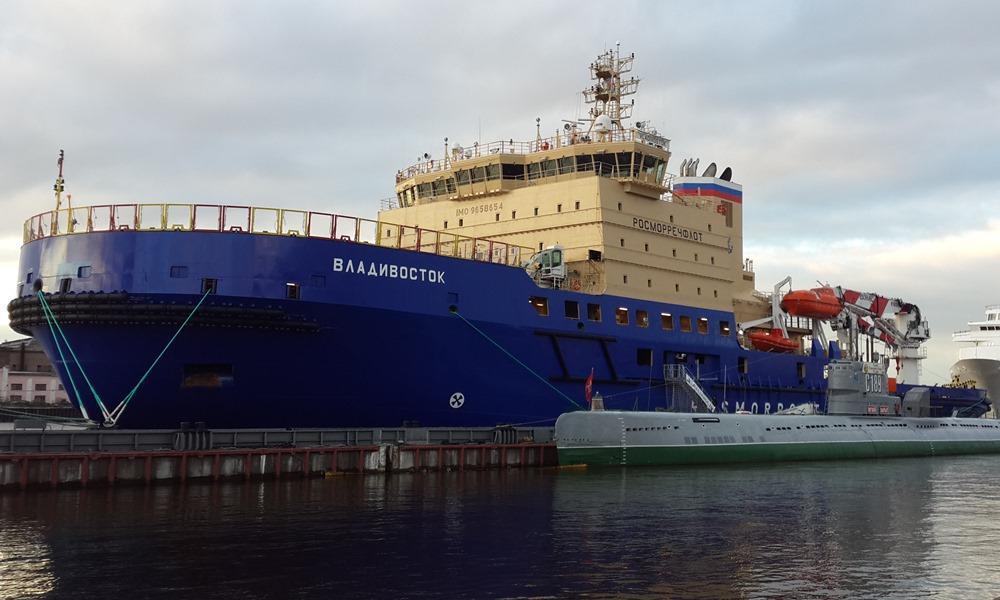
point(568, 138)
point(269, 221)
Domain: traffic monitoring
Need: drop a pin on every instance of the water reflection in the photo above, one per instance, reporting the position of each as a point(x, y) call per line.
point(901, 528)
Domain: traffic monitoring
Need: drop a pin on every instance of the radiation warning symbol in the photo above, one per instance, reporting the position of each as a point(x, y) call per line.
point(457, 400)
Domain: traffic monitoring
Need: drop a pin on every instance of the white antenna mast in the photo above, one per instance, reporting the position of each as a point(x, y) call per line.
point(609, 88)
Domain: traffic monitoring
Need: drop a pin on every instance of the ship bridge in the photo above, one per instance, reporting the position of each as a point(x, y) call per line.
point(598, 189)
point(633, 157)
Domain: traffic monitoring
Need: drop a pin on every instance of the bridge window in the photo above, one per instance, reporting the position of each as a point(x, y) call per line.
point(584, 162)
point(492, 172)
point(685, 324)
point(425, 190)
point(549, 168)
point(624, 164)
point(643, 356)
point(541, 305)
point(594, 312)
point(724, 328)
point(534, 171)
point(703, 326)
point(478, 175)
point(513, 171)
point(565, 165)
point(604, 164)
point(464, 177)
point(178, 271)
point(621, 316)
point(292, 291)
point(642, 318)
point(572, 309)
point(666, 321)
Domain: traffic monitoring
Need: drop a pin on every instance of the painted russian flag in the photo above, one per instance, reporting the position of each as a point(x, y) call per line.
point(709, 188)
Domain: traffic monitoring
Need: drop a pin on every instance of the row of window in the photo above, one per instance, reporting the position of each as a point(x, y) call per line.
point(711, 259)
point(513, 214)
point(618, 165)
point(20, 398)
point(39, 387)
point(623, 316)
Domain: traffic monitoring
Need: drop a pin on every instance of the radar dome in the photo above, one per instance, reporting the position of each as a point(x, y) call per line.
point(602, 124)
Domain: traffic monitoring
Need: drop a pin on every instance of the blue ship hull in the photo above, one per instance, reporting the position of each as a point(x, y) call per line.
point(384, 344)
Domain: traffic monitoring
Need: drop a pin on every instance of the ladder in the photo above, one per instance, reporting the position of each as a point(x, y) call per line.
point(678, 378)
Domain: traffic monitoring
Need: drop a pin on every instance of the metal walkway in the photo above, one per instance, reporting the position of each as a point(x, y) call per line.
point(119, 440)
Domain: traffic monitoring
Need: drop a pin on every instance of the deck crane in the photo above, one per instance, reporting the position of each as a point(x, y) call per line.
point(898, 324)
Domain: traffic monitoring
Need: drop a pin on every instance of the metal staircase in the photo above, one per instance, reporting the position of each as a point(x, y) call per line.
point(680, 384)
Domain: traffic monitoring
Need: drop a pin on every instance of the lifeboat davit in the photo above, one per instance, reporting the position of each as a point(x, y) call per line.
point(817, 303)
point(771, 341)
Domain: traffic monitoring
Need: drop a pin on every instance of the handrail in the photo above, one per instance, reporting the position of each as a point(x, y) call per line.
point(269, 221)
point(569, 138)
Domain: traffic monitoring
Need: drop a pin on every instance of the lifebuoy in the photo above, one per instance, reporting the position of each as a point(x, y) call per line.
point(575, 285)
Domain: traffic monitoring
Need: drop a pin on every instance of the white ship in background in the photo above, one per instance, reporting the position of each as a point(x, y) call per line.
point(979, 362)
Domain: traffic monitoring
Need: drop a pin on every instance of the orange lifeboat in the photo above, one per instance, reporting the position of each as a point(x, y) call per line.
point(817, 303)
point(771, 341)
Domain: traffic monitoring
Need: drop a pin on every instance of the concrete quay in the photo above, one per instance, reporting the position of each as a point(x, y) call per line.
point(111, 457)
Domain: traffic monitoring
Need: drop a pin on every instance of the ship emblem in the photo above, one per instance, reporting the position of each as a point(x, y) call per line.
point(457, 400)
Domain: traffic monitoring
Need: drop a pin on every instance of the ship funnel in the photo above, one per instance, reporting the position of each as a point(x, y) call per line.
point(710, 170)
point(684, 166)
point(727, 174)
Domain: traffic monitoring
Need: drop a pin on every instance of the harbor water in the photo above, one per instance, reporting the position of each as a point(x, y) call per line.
point(903, 528)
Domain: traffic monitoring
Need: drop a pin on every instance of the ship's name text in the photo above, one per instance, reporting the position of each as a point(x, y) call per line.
point(375, 269)
point(667, 229)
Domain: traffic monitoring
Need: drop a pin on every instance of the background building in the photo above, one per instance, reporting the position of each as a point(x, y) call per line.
point(27, 377)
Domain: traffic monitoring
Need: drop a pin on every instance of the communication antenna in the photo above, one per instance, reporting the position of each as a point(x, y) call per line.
point(60, 182)
point(609, 88)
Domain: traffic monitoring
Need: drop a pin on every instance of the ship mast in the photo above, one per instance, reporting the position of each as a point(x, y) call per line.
point(59, 187)
point(606, 94)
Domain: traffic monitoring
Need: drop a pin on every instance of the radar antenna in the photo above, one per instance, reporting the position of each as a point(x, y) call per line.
point(608, 90)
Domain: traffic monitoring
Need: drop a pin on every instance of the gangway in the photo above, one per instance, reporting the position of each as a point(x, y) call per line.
point(678, 378)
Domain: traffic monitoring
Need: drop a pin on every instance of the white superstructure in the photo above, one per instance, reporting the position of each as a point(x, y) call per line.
point(979, 358)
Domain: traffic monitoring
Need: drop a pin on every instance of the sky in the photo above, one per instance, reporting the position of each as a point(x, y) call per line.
point(866, 134)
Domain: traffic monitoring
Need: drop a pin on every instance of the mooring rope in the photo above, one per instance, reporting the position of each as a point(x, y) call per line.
point(51, 318)
point(62, 357)
point(118, 410)
point(515, 359)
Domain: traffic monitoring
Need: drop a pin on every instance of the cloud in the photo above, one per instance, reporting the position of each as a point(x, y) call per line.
point(946, 276)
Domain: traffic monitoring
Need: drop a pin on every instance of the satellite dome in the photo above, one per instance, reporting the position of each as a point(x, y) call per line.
point(602, 124)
